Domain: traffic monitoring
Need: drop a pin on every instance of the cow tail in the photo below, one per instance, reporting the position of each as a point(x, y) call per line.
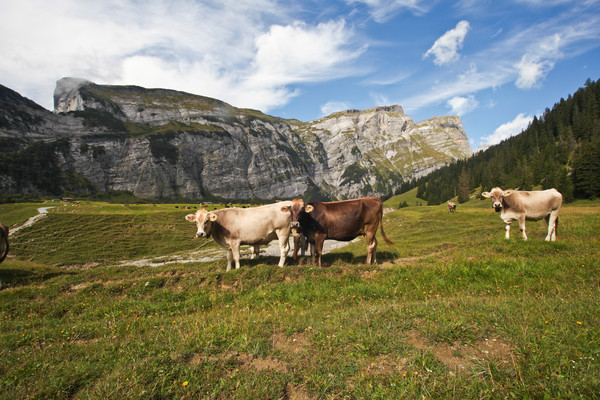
point(556, 227)
point(388, 241)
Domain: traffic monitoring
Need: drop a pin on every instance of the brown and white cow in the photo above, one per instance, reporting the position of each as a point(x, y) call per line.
point(3, 241)
point(521, 205)
point(451, 207)
point(337, 220)
point(232, 227)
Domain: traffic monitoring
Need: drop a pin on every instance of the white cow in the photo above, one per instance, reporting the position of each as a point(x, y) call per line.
point(533, 206)
point(232, 227)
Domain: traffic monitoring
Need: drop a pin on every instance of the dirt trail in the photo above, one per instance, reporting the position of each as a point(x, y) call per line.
point(43, 213)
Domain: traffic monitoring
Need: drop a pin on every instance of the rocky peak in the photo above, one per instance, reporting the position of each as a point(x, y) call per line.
point(159, 143)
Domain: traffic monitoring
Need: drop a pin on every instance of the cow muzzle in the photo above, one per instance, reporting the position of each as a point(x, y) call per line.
point(497, 206)
point(202, 234)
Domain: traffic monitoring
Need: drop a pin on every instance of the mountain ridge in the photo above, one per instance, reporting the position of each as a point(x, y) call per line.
point(167, 144)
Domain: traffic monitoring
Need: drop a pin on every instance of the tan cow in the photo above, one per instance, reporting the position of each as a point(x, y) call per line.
point(451, 207)
point(533, 206)
point(3, 241)
point(232, 227)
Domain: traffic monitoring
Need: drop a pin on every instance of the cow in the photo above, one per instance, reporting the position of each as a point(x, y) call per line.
point(451, 207)
point(337, 220)
point(232, 227)
point(532, 206)
point(3, 241)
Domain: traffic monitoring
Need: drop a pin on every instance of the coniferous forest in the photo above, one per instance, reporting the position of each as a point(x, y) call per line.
point(559, 149)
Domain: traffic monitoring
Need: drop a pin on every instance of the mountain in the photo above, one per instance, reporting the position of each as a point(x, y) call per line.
point(165, 144)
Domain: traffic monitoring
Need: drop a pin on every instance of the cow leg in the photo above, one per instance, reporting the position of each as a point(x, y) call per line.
point(235, 252)
point(284, 248)
point(371, 247)
point(507, 227)
point(522, 227)
point(229, 259)
point(551, 219)
point(254, 251)
point(318, 248)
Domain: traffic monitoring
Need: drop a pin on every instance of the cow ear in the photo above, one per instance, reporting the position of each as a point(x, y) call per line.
point(486, 194)
point(308, 208)
point(507, 193)
point(213, 217)
point(191, 217)
point(285, 209)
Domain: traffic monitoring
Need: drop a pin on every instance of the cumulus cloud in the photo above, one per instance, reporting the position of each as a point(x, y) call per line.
point(460, 105)
point(506, 130)
point(531, 69)
point(535, 64)
point(445, 48)
point(300, 53)
point(246, 52)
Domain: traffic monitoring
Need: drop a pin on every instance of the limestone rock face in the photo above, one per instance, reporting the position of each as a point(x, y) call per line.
point(159, 143)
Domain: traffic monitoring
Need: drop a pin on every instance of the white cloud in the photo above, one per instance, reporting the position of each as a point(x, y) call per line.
point(506, 130)
point(462, 105)
point(383, 10)
point(334, 106)
point(245, 52)
point(537, 62)
point(299, 53)
point(531, 69)
point(445, 48)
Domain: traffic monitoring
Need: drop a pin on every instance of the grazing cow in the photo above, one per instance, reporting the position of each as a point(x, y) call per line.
point(3, 241)
point(451, 207)
point(338, 220)
point(532, 206)
point(232, 227)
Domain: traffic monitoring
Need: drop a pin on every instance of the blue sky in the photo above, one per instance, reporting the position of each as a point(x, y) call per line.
point(494, 63)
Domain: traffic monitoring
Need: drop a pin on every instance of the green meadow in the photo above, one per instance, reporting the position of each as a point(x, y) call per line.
point(121, 301)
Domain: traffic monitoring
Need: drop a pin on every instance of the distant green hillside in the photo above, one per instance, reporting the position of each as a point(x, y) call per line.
point(559, 149)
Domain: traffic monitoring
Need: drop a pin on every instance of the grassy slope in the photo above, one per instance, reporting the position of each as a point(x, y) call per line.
point(451, 310)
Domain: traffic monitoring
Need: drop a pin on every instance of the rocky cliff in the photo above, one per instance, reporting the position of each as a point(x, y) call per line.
point(166, 144)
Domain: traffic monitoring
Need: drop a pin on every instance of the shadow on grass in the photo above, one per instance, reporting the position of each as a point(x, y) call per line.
point(13, 277)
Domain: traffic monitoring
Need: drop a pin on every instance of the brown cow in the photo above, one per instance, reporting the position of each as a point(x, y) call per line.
point(531, 206)
point(337, 220)
point(3, 241)
point(451, 207)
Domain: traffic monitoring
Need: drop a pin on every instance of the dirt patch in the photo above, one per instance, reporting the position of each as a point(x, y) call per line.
point(239, 361)
point(296, 393)
point(385, 364)
point(297, 343)
point(461, 358)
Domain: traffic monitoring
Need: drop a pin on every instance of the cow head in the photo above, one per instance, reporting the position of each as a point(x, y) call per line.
point(298, 209)
point(204, 221)
point(497, 194)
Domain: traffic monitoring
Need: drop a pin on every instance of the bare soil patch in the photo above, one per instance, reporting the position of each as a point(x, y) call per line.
point(462, 358)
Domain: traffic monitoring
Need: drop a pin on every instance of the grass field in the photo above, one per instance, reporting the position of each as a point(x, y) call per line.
point(451, 310)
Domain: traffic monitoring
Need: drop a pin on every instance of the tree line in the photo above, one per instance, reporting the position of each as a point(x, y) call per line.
point(559, 149)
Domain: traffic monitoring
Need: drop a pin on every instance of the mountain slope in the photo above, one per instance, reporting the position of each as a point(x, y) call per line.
point(165, 144)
